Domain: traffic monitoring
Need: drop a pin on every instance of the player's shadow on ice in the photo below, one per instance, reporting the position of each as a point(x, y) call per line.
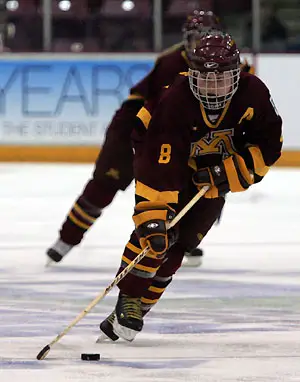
point(82, 269)
point(12, 364)
point(156, 364)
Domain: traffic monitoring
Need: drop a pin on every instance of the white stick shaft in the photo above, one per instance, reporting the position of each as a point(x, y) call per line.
point(190, 204)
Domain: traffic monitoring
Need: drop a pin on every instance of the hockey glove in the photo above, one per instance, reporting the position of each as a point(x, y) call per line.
point(231, 175)
point(247, 68)
point(150, 219)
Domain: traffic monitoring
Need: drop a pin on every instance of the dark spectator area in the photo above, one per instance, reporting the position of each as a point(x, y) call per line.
point(128, 25)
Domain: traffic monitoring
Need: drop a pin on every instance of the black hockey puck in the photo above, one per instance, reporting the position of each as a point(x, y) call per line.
point(90, 357)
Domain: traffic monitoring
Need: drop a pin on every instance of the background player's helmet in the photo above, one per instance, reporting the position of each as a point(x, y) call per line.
point(198, 23)
point(214, 69)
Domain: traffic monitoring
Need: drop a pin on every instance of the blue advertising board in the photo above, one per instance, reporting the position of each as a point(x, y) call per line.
point(63, 100)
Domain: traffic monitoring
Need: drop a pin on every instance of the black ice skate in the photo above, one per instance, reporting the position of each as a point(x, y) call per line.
point(129, 315)
point(107, 330)
point(58, 250)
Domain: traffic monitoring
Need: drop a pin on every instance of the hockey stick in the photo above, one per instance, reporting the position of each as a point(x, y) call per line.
point(44, 352)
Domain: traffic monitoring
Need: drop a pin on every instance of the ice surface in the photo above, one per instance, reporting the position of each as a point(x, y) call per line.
point(234, 319)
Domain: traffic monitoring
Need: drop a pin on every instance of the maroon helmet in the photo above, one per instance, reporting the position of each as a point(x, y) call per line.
point(214, 69)
point(198, 23)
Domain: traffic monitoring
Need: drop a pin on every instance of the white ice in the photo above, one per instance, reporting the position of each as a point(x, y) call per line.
point(234, 319)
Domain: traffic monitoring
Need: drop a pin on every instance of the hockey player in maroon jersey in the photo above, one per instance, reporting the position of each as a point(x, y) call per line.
point(213, 126)
point(113, 169)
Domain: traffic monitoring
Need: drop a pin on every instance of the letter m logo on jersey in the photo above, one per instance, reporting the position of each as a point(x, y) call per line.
point(215, 142)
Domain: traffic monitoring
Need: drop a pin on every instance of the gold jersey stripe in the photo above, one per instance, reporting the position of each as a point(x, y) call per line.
point(137, 250)
point(148, 301)
point(76, 221)
point(154, 195)
point(192, 164)
point(249, 113)
point(133, 248)
point(139, 266)
point(144, 116)
point(156, 290)
point(84, 214)
point(260, 168)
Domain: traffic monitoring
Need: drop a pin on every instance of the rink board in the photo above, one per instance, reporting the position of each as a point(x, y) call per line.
point(83, 154)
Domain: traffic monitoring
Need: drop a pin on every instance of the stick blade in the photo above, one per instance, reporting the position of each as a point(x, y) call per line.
point(43, 353)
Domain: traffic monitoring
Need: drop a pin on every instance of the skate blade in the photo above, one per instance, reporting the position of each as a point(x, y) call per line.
point(103, 338)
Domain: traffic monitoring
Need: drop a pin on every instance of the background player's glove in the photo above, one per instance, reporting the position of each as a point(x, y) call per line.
point(150, 219)
point(231, 175)
point(247, 68)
